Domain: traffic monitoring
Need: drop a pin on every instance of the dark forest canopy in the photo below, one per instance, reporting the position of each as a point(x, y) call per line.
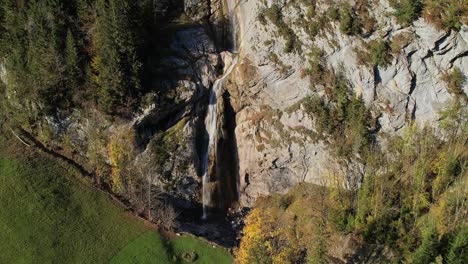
point(60, 54)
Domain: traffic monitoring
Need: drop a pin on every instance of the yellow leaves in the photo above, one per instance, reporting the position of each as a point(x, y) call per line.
point(285, 255)
point(442, 180)
point(450, 210)
point(270, 236)
point(439, 214)
point(121, 152)
point(254, 233)
point(421, 201)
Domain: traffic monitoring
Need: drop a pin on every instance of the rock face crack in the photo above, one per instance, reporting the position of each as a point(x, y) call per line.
point(409, 57)
point(377, 80)
point(410, 114)
point(459, 56)
point(441, 40)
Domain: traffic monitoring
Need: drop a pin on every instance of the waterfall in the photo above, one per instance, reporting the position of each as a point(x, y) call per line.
point(211, 120)
point(211, 125)
point(233, 19)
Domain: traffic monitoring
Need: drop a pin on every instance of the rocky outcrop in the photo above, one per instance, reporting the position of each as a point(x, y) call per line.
point(273, 136)
point(275, 148)
point(192, 69)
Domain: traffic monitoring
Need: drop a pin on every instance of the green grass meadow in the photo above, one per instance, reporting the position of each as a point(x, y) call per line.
point(49, 215)
point(142, 250)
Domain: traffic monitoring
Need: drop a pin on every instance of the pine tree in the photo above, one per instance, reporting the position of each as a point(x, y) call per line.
point(116, 63)
point(458, 248)
point(72, 62)
point(427, 251)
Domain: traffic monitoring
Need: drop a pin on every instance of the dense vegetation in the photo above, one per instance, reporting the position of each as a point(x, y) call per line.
point(64, 55)
point(407, 204)
point(445, 15)
point(412, 201)
point(90, 63)
point(97, 59)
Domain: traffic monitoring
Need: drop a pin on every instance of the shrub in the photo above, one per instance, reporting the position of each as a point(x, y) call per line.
point(448, 14)
point(190, 256)
point(406, 11)
point(455, 80)
point(334, 13)
point(283, 69)
point(427, 251)
point(283, 201)
point(457, 253)
point(380, 53)
point(261, 19)
point(368, 23)
point(349, 22)
point(274, 15)
point(400, 41)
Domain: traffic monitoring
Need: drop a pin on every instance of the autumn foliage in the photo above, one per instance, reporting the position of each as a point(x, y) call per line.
point(121, 153)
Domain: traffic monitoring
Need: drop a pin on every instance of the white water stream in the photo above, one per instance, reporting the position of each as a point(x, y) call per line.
point(211, 125)
point(211, 120)
point(233, 19)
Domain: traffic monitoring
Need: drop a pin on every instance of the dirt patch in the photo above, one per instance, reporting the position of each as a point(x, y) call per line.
point(246, 70)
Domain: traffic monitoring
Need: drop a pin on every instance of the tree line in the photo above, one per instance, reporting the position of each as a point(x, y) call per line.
point(60, 54)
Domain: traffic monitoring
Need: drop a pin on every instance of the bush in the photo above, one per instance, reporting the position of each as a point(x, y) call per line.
point(283, 201)
point(261, 19)
point(190, 256)
point(400, 41)
point(455, 80)
point(406, 11)
point(334, 13)
point(274, 15)
point(457, 253)
point(380, 53)
point(349, 22)
point(428, 249)
point(448, 14)
point(320, 23)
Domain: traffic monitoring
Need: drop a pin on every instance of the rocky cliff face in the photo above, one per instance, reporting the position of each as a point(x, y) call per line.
point(197, 62)
point(264, 118)
point(267, 138)
point(275, 150)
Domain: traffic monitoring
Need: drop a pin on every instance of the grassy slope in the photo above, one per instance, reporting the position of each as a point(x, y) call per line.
point(49, 216)
point(142, 251)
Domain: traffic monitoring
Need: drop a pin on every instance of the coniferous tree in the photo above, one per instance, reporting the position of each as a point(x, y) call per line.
point(457, 253)
point(32, 44)
point(427, 251)
point(72, 62)
point(116, 62)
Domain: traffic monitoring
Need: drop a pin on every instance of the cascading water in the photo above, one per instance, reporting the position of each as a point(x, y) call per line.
point(233, 19)
point(211, 120)
point(211, 126)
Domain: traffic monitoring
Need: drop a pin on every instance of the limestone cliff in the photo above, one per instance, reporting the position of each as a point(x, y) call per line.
point(275, 149)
